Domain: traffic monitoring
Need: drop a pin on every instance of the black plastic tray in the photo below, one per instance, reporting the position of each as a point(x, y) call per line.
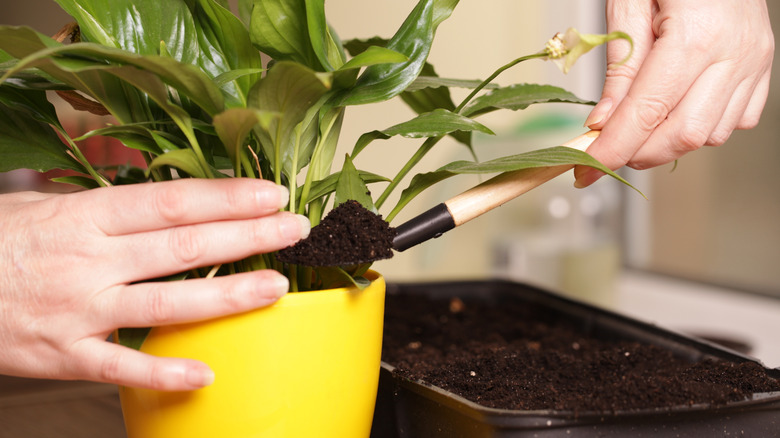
point(412, 409)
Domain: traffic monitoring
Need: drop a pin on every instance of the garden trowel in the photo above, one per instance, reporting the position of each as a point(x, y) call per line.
point(447, 215)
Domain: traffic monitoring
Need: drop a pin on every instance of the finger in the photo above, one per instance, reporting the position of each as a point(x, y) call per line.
point(164, 252)
point(734, 113)
point(182, 202)
point(666, 75)
point(164, 303)
point(755, 106)
point(105, 362)
point(634, 18)
point(693, 121)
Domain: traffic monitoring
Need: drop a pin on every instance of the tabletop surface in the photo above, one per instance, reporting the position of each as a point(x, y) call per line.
point(55, 409)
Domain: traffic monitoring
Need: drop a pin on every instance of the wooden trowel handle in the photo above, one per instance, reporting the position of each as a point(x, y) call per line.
point(507, 186)
point(481, 199)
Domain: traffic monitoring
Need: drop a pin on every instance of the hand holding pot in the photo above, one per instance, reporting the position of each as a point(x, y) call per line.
point(70, 267)
point(700, 69)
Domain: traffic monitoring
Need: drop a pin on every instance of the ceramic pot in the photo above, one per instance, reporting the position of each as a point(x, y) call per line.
point(307, 366)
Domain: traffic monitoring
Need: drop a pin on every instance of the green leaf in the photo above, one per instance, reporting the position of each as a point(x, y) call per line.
point(80, 181)
point(290, 90)
point(548, 157)
point(234, 125)
point(279, 28)
point(83, 66)
point(27, 143)
point(182, 159)
point(519, 97)
point(225, 47)
point(419, 184)
point(426, 80)
point(135, 136)
point(375, 55)
point(433, 124)
point(137, 26)
point(384, 81)
point(328, 185)
point(32, 102)
point(332, 277)
point(327, 49)
point(351, 187)
point(132, 337)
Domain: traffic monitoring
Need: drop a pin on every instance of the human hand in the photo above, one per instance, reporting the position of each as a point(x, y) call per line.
point(700, 69)
point(70, 267)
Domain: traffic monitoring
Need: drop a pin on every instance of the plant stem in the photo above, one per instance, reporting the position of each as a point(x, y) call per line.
point(80, 156)
point(495, 75)
point(421, 152)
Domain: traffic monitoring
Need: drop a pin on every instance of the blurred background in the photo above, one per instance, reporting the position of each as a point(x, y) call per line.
point(712, 222)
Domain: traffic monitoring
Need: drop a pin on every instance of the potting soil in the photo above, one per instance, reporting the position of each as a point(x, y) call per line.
point(520, 357)
point(349, 234)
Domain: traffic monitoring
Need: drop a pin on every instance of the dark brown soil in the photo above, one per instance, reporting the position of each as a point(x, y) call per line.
point(519, 357)
point(348, 235)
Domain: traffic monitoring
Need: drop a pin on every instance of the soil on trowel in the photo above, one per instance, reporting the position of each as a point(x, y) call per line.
point(349, 235)
point(515, 356)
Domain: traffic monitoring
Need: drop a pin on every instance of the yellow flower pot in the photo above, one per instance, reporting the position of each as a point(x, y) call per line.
point(307, 366)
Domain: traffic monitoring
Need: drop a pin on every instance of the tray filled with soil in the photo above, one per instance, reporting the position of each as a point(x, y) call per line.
point(502, 359)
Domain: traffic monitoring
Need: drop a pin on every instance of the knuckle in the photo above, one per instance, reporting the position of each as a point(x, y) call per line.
point(156, 377)
point(692, 137)
point(232, 297)
point(186, 245)
point(110, 370)
point(169, 204)
point(159, 307)
point(650, 113)
point(718, 138)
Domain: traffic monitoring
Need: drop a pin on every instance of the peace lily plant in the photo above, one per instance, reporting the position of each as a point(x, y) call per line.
point(186, 85)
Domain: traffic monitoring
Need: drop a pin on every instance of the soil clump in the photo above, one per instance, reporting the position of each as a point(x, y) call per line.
point(348, 235)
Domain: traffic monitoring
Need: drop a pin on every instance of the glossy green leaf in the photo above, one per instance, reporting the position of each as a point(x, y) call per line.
point(225, 46)
point(291, 90)
point(321, 160)
point(32, 102)
point(413, 39)
point(327, 50)
point(433, 124)
point(132, 136)
point(27, 143)
point(548, 157)
point(132, 337)
point(351, 186)
point(80, 181)
point(375, 55)
point(327, 186)
point(384, 81)
point(182, 159)
point(234, 125)
point(81, 73)
point(279, 28)
point(519, 97)
point(137, 26)
point(335, 277)
point(419, 183)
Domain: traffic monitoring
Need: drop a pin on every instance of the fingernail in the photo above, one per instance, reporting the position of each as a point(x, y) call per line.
point(281, 285)
point(284, 194)
point(599, 112)
point(295, 227)
point(200, 377)
point(587, 178)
